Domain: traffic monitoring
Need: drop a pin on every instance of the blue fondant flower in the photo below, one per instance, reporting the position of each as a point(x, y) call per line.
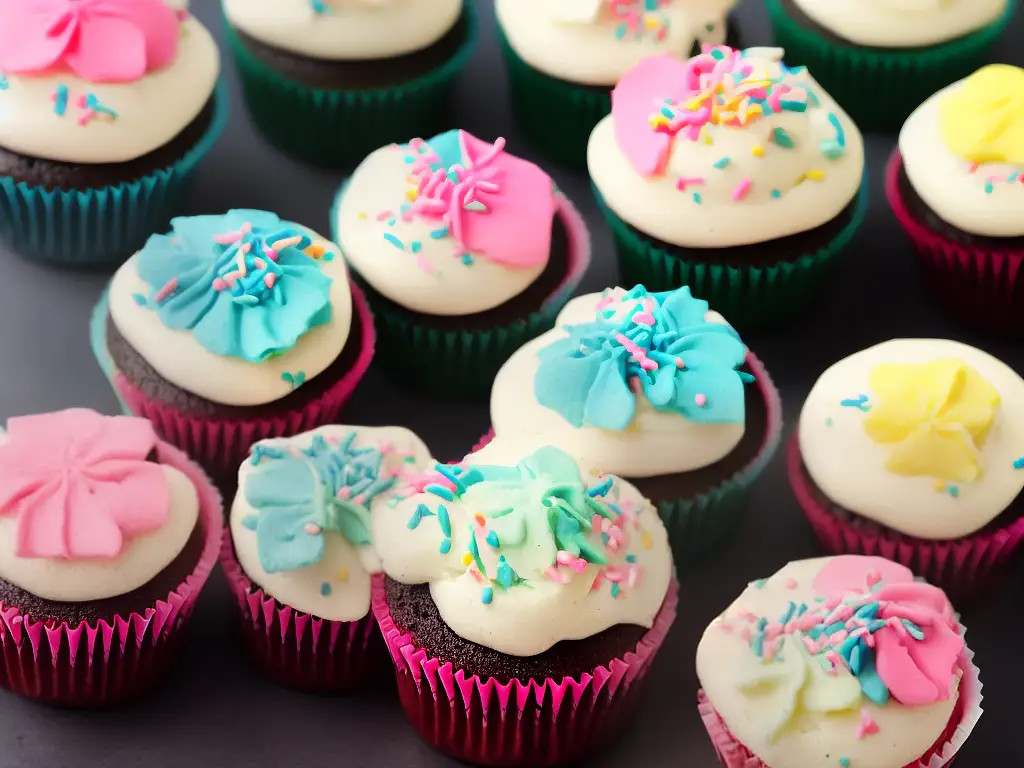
point(240, 282)
point(660, 346)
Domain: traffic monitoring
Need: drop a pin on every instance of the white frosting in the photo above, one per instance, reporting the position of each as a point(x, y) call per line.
point(658, 442)
point(849, 467)
point(150, 111)
point(576, 40)
point(523, 621)
point(348, 29)
point(185, 363)
point(347, 569)
point(726, 666)
point(901, 23)
point(142, 558)
point(657, 207)
point(434, 280)
point(945, 182)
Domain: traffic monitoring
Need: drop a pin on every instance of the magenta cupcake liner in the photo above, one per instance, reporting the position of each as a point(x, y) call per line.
point(221, 445)
point(972, 282)
point(535, 723)
point(299, 650)
point(962, 567)
point(107, 662)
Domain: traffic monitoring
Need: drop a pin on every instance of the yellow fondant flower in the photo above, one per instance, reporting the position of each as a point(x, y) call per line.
point(982, 120)
point(934, 415)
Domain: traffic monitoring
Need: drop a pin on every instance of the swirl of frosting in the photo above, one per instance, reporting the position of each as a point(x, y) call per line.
point(523, 555)
point(983, 120)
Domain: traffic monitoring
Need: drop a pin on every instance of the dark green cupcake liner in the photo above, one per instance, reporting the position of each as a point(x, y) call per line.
point(339, 128)
point(880, 87)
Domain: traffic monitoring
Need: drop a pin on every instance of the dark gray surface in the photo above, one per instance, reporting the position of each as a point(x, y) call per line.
point(218, 711)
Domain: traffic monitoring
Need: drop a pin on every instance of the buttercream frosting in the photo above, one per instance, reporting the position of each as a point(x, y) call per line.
point(527, 553)
point(123, 79)
point(726, 149)
point(238, 309)
point(920, 435)
point(594, 42)
point(963, 152)
point(448, 226)
point(300, 522)
point(832, 659)
point(340, 30)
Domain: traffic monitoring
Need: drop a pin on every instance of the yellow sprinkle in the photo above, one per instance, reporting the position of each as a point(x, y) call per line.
point(757, 151)
point(467, 559)
point(815, 175)
point(342, 575)
point(940, 486)
point(362, 215)
point(645, 540)
point(651, 22)
point(411, 195)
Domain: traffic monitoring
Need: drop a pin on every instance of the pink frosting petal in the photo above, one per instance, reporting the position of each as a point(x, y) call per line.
point(850, 573)
point(108, 50)
point(159, 25)
point(118, 437)
point(33, 36)
point(906, 682)
point(41, 522)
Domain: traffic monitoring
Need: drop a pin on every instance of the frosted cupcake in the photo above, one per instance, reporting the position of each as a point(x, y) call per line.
point(744, 184)
point(106, 107)
point(845, 661)
point(911, 449)
point(300, 560)
point(564, 57)
point(523, 605)
point(466, 252)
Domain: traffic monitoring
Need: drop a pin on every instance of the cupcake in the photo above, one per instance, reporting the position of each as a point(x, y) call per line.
point(232, 329)
point(955, 186)
point(465, 251)
point(879, 59)
point(911, 450)
point(329, 80)
point(108, 536)
point(740, 131)
point(564, 56)
point(655, 388)
point(299, 559)
point(106, 107)
point(523, 602)
point(839, 661)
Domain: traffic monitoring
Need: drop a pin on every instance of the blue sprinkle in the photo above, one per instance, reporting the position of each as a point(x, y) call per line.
point(60, 101)
point(446, 546)
point(416, 245)
point(250, 522)
point(953, 491)
point(394, 241)
point(444, 520)
point(840, 133)
point(409, 159)
point(467, 259)
point(3, 83)
point(1013, 177)
point(602, 489)
point(775, 194)
point(758, 583)
point(1018, 463)
point(487, 596)
point(859, 402)
point(988, 187)
point(793, 106)
point(615, 590)
point(506, 576)
point(492, 539)
point(452, 475)
point(439, 490)
point(844, 762)
point(422, 510)
point(784, 619)
point(697, 198)
point(391, 222)
point(140, 299)
point(630, 558)
point(666, 112)
point(437, 234)
point(325, 589)
point(319, 6)
point(723, 162)
point(913, 629)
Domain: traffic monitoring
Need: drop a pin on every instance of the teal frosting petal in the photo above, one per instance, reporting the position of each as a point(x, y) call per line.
point(609, 402)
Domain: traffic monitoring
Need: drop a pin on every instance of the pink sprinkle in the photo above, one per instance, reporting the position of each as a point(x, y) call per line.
point(476, 574)
point(700, 400)
point(867, 725)
point(86, 117)
point(638, 354)
point(423, 264)
point(270, 253)
point(791, 583)
point(260, 263)
point(286, 242)
point(741, 190)
point(219, 284)
point(687, 181)
point(598, 581)
point(233, 237)
point(385, 215)
point(555, 575)
point(169, 287)
point(613, 574)
point(604, 301)
point(873, 578)
point(833, 658)
point(679, 363)
point(344, 492)
point(643, 318)
point(313, 529)
point(269, 279)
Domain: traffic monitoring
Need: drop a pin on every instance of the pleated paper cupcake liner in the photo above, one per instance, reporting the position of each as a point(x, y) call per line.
point(106, 662)
point(880, 87)
point(963, 567)
point(972, 283)
point(82, 228)
point(750, 296)
point(338, 128)
point(533, 722)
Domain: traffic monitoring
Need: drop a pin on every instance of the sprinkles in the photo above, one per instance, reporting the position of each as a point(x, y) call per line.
point(60, 100)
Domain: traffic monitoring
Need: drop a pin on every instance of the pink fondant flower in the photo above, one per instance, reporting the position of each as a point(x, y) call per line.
point(103, 41)
point(80, 483)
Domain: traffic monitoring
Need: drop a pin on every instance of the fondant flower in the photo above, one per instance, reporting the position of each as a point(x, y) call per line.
point(935, 416)
point(103, 41)
point(658, 345)
point(80, 483)
point(241, 283)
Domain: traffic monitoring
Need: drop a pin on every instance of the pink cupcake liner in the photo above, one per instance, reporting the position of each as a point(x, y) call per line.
point(580, 252)
point(962, 567)
point(299, 650)
point(220, 445)
point(972, 283)
point(107, 662)
point(733, 754)
point(549, 722)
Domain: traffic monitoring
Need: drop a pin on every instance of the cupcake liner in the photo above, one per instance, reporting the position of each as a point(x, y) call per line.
point(221, 444)
point(966, 713)
point(971, 282)
point(751, 296)
point(696, 526)
point(102, 226)
point(107, 662)
point(463, 364)
point(98, 342)
point(536, 722)
point(880, 87)
point(340, 127)
point(299, 650)
point(962, 567)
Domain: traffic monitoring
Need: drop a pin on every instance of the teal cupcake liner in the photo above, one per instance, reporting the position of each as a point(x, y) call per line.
point(339, 128)
point(102, 226)
point(880, 87)
point(98, 342)
point(749, 296)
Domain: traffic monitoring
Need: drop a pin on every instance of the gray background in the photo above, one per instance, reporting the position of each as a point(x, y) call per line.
point(218, 711)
